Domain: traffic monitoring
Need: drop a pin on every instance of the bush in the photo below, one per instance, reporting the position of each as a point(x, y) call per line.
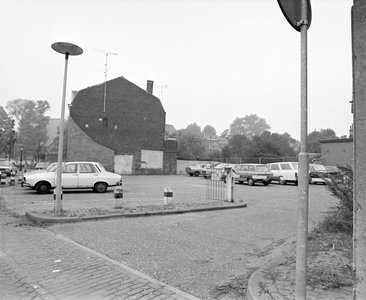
point(340, 216)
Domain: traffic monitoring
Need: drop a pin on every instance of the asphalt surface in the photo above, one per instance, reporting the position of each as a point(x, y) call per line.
point(193, 252)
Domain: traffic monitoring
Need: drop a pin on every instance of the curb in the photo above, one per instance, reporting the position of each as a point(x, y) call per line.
point(281, 253)
point(48, 219)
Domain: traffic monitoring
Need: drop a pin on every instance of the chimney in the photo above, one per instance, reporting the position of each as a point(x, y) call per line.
point(149, 87)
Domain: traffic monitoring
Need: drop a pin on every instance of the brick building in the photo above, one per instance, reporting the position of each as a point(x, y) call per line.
point(121, 126)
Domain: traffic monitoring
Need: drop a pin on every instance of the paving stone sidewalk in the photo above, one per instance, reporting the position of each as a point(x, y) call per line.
point(37, 264)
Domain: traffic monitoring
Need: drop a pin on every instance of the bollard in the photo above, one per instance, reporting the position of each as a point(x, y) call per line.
point(12, 178)
point(55, 193)
point(118, 195)
point(168, 196)
point(3, 178)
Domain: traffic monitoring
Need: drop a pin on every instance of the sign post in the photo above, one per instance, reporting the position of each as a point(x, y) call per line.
point(298, 14)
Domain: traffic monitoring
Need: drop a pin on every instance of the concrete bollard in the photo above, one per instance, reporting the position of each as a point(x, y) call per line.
point(118, 195)
point(168, 196)
point(3, 178)
point(12, 178)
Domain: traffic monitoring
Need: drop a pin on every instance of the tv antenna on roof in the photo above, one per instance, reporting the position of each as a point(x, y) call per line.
point(105, 73)
point(162, 87)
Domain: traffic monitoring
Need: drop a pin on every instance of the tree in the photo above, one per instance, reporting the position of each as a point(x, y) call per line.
point(250, 125)
point(7, 133)
point(315, 137)
point(190, 145)
point(272, 144)
point(194, 129)
point(32, 130)
point(225, 134)
point(239, 146)
point(208, 129)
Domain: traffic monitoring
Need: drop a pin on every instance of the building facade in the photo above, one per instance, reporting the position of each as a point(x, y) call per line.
point(121, 126)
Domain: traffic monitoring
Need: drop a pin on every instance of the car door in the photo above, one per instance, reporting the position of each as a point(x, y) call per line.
point(287, 171)
point(88, 175)
point(70, 175)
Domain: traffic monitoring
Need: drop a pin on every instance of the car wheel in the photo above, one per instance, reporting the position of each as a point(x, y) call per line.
point(197, 174)
point(296, 182)
point(190, 174)
point(251, 182)
point(100, 187)
point(283, 182)
point(266, 183)
point(43, 187)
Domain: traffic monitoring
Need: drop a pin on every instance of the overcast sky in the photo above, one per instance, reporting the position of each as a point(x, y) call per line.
point(211, 61)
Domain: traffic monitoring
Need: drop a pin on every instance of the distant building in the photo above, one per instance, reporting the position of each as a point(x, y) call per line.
point(337, 152)
point(52, 128)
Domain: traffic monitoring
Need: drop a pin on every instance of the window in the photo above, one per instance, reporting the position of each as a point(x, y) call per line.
point(105, 122)
point(251, 168)
point(286, 167)
point(275, 167)
point(87, 168)
point(71, 168)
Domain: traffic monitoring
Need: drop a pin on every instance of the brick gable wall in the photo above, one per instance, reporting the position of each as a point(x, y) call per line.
point(138, 116)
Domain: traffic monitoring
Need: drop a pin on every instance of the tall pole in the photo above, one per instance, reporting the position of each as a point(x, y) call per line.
point(66, 49)
point(303, 191)
point(58, 203)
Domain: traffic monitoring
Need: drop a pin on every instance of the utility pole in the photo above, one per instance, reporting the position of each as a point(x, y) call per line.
point(105, 74)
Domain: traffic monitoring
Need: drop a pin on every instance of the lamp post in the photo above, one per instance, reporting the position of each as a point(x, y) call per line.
point(66, 49)
point(21, 157)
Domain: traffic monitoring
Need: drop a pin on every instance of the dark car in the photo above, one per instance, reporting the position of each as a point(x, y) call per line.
point(253, 173)
point(8, 166)
point(320, 173)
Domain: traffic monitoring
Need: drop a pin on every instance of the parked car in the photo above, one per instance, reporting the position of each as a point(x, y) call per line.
point(75, 175)
point(253, 173)
point(285, 172)
point(8, 166)
point(208, 169)
point(195, 170)
point(41, 165)
point(320, 173)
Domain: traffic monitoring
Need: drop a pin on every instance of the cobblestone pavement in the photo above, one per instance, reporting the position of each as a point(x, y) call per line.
point(37, 264)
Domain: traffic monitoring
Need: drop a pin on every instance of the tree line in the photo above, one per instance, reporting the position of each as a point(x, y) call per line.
point(32, 127)
point(248, 136)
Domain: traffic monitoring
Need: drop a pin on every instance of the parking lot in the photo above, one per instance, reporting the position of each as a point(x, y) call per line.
point(196, 251)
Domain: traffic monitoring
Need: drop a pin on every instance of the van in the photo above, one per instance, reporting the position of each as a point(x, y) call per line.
point(285, 171)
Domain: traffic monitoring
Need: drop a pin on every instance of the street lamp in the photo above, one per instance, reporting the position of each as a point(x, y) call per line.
point(21, 157)
point(67, 49)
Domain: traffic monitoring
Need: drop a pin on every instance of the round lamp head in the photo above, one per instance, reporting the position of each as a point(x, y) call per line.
point(65, 47)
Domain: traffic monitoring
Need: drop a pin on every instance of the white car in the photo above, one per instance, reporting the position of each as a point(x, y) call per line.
point(75, 175)
point(285, 171)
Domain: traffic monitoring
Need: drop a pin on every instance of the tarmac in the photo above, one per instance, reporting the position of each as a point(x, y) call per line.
point(37, 264)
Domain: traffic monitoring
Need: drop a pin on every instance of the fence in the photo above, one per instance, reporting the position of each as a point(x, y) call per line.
point(256, 160)
point(215, 186)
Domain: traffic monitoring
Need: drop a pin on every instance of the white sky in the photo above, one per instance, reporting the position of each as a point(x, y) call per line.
point(220, 59)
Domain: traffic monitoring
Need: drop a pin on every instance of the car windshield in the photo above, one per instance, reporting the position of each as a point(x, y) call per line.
point(51, 167)
point(319, 167)
point(261, 168)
